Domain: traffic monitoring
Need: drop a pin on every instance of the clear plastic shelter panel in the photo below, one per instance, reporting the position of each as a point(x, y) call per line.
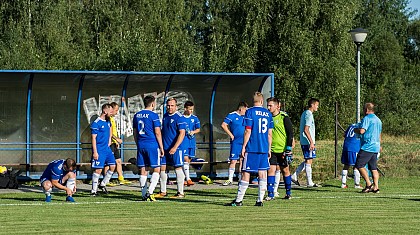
point(138, 87)
point(230, 91)
point(198, 89)
point(98, 89)
point(53, 116)
point(13, 97)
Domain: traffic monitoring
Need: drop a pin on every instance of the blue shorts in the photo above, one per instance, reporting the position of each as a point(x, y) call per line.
point(235, 151)
point(106, 158)
point(307, 154)
point(348, 158)
point(254, 162)
point(175, 160)
point(190, 152)
point(148, 157)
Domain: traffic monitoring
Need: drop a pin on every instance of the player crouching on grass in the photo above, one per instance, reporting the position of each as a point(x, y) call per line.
point(58, 173)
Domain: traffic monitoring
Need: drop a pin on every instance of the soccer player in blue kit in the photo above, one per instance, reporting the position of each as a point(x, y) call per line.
point(258, 124)
point(189, 143)
point(58, 173)
point(102, 154)
point(232, 125)
point(173, 133)
point(307, 142)
point(148, 138)
point(351, 147)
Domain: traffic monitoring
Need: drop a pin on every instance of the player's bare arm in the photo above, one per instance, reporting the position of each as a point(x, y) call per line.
point(178, 141)
point(95, 154)
point(119, 141)
point(225, 127)
point(56, 184)
point(360, 131)
point(110, 137)
point(158, 134)
point(195, 131)
point(308, 135)
point(247, 135)
point(270, 140)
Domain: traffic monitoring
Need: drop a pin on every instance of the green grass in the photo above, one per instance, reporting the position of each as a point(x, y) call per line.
point(326, 210)
point(400, 157)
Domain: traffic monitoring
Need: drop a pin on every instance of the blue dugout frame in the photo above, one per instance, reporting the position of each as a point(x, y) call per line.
point(31, 74)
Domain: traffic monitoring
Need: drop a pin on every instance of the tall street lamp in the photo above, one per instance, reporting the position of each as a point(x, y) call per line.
point(358, 35)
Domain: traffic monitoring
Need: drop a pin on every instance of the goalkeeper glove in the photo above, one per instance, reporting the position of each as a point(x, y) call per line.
point(288, 155)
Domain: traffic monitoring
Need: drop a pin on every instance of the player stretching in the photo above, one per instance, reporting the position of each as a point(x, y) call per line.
point(101, 152)
point(58, 173)
point(232, 125)
point(192, 128)
point(148, 138)
point(307, 142)
point(281, 150)
point(351, 147)
point(258, 124)
point(173, 133)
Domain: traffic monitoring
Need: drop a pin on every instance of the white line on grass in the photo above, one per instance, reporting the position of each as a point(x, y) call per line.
point(204, 200)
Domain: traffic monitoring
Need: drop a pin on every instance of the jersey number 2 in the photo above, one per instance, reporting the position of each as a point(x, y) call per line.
point(141, 127)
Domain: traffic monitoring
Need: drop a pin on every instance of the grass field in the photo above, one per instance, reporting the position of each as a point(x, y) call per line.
point(326, 210)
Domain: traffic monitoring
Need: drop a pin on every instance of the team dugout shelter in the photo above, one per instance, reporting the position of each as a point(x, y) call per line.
point(46, 115)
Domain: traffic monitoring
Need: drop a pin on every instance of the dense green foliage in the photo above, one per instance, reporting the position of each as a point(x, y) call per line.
point(304, 42)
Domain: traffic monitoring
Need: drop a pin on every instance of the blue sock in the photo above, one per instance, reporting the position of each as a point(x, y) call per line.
point(288, 184)
point(271, 180)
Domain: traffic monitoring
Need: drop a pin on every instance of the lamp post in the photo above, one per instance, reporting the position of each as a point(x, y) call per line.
point(358, 35)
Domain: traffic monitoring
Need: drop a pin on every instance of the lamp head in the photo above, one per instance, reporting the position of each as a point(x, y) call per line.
point(358, 35)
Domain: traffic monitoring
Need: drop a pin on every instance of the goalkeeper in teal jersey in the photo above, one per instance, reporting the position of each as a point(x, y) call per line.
point(281, 151)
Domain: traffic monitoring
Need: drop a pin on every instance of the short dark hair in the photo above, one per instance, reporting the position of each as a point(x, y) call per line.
point(312, 101)
point(148, 100)
point(105, 106)
point(188, 104)
point(170, 99)
point(70, 163)
point(242, 104)
point(273, 99)
point(114, 104)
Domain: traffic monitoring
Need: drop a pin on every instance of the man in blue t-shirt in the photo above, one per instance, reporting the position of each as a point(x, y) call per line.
point(351, 147)
point(173, 133)
point(102, 154)
point(307, 142)
point(258, 124)
point(148, 138)
point(370, 130)
point(189, 143)
point(232, 125)
point(58, 173)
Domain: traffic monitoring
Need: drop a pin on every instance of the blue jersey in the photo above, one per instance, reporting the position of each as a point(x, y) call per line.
point(102, 129)
point(55, 170)
point(144, 124)
point(259, 120)
point(307, 119)
point(235, 121)
point(351, 142)
point(370, 140)
point(192, 124)
point(171, 125)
